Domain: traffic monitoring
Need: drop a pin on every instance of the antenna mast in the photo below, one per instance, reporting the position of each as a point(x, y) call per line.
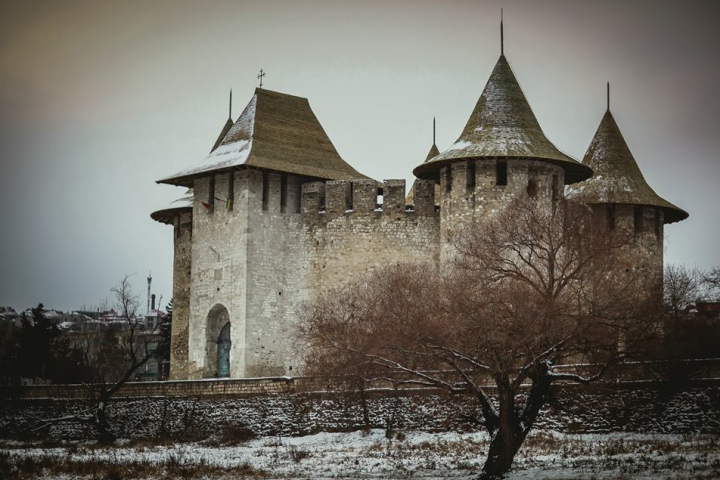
point(149, 279)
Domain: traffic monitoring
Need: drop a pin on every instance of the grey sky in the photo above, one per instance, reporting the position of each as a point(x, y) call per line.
point(100, 99)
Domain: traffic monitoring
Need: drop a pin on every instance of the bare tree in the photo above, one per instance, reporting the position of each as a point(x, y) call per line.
point(125, 348)
point(712, 283)
point(527, 296)
point(689, 332)
point(682, 287)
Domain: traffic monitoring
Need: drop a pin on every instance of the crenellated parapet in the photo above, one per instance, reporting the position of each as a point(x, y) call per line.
point(322, 202)
point(351, 228)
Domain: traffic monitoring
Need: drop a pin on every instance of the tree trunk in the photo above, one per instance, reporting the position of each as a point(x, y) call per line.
point(504, 444)
point(503, 448)
point(102, 424)
point(513, 428)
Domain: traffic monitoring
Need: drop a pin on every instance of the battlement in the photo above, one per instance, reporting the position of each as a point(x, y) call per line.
point(337, 198)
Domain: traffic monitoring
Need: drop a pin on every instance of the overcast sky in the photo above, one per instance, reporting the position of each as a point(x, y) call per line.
point(100, 99)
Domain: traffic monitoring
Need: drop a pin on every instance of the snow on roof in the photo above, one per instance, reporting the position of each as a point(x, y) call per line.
point(224, 156)
point(181, 205)
point(617, 178)
point(503, 125)
point(277, 132)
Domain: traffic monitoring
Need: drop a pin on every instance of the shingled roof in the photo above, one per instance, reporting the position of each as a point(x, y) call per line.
point(617, 178)
point(226, 128)
point(278, 132)
point(503, 125)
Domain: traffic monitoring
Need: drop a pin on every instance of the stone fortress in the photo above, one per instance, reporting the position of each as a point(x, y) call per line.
point(274, 215)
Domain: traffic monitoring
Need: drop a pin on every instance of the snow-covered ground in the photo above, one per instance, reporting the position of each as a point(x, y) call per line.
point(371, 454)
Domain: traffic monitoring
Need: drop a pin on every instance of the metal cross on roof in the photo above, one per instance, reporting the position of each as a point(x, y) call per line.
point(260, 76)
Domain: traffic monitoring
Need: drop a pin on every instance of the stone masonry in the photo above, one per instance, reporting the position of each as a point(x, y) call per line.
point(276, 217)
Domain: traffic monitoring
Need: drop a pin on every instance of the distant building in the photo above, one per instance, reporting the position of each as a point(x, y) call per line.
point(708, 309)
point(8, 315)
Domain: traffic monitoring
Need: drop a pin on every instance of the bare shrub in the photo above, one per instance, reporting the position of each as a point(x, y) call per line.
point(297, 454)
point(237, 434)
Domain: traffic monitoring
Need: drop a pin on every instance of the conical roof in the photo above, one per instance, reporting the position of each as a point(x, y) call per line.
point(617, 177)
point(410, 199)
point(503, 125)
point(278, 132)
point(434, 152)
point(226, 128)
point(181, 205)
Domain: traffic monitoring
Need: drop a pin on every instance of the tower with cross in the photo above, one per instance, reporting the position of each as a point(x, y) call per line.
point(300, 220)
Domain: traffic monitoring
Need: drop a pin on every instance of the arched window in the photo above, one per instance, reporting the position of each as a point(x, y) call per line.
point(217, 343)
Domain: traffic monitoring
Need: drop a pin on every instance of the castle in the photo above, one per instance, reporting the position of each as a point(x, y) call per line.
point(274, 215)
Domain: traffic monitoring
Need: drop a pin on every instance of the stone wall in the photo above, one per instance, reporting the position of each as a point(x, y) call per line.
point(249, 260)
point(284, 240)
point(636, 407)
point(640, 230)
point(182, 230)
point(287, 238)
point(473, 190)
point(219, 267)
point(276, 270)
point(354, 235)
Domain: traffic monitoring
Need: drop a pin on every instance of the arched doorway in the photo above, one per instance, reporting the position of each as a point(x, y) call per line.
point(223, 348)
point(217, 343)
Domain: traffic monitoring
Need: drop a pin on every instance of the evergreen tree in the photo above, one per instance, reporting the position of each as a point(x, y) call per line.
point(38, 350)
point(162, 352)
point(36, 337)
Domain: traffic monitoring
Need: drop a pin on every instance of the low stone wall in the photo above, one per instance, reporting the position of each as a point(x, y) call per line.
point(639, 406)
point(242, 387)
point(173, 389)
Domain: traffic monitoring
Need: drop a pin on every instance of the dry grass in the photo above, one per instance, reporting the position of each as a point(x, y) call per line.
point(545, 455)
point(174, 467)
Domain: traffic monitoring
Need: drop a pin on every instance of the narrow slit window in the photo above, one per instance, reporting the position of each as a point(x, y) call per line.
point(501, 172)
point(532, 188)
point(658, 225)
point(211, 193)
point(283, 193)
point(638, 219)
point(611, 217)
point(298, 197)
point(556, 188)
point(470, 176)
point(231, 191)
point(265, 190)
point(448, 178)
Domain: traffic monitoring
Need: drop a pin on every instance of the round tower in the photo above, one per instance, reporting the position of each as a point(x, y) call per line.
point(622, 199)
point(179, 214)
point(502, 154)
